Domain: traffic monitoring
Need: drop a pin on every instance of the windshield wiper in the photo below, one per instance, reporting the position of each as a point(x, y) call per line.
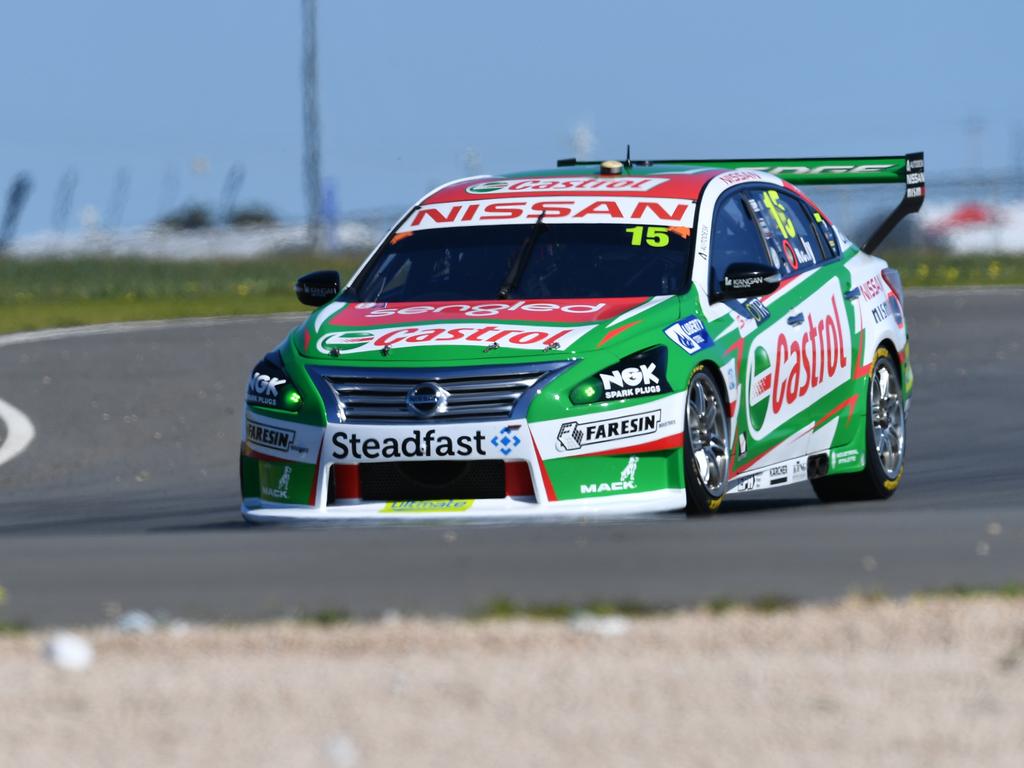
point(519, 265)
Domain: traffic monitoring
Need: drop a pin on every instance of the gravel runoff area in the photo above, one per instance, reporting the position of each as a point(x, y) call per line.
point(919, 682)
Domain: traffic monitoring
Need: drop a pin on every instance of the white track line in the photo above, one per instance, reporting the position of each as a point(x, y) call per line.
point(19, 428)
point(20, 432)
point(103, 329)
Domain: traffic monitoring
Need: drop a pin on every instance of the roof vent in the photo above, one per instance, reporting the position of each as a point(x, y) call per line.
point(611, 168)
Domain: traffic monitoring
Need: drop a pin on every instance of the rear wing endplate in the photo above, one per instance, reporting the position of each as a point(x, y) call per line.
point(907, 170)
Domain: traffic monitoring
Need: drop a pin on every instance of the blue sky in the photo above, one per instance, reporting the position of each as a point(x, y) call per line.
point(415, 93)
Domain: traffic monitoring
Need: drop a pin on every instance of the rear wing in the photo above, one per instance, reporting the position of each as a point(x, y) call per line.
point(907, 170)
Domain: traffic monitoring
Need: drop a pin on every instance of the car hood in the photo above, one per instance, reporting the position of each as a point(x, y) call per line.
point(476, 331)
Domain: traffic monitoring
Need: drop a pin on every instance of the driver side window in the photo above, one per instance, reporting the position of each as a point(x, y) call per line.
point(734, 238)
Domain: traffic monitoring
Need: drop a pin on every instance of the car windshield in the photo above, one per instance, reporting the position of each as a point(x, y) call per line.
point(566, 261)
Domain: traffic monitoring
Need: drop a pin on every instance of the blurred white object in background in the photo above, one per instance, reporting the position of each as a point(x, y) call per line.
point(66, 650)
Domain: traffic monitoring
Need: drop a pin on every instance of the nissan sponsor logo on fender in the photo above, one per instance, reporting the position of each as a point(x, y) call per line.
point(525, 337)
point(792, 367)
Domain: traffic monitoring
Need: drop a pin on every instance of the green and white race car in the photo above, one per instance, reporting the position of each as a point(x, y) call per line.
point(602, 337)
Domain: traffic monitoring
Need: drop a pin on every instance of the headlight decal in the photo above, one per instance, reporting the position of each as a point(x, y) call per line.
point(641, 375)
point(270, 387)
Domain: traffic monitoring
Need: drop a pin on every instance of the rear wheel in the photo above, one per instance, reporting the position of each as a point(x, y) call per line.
point(885, 443)
point(705, 455)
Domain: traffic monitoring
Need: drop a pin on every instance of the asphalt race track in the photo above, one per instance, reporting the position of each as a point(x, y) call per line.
point(128, 498)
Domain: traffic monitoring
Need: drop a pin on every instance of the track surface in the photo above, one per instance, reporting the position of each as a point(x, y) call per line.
point(127, 498)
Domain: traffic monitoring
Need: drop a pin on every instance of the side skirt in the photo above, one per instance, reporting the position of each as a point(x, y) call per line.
point(774, 476)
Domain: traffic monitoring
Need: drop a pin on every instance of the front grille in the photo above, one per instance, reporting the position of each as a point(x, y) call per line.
point(490, 393)
point(420, 480)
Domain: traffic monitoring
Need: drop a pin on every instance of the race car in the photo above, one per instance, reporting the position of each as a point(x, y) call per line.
point(601, 337)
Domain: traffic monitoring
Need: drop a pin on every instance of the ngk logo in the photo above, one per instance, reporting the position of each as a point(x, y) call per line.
point(634, 376)
point(792, 367)
point(640, 376)
point(262, 384)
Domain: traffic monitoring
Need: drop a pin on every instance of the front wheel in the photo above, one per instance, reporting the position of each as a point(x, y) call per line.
point(705, 451)
point(885, 443)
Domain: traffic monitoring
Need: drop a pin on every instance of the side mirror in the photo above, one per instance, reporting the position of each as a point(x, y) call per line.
point(744, 280)
point(318, 288)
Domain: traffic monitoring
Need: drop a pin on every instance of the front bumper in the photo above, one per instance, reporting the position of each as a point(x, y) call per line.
point(621, 460)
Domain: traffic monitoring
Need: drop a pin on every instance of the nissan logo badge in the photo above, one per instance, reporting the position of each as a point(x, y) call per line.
point(427, 399)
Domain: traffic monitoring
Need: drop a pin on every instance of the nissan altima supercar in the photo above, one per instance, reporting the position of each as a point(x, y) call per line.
point(619, 336)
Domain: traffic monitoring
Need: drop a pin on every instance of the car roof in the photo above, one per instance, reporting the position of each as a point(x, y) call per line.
point(664, 181)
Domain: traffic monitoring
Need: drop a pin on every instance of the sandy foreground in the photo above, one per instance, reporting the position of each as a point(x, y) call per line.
point(924, 682)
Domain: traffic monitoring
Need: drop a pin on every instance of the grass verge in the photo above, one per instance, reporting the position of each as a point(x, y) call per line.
point(327, 617)
point(47, 293)
point(936, 269)
point(1013, 590)
point(503, 608)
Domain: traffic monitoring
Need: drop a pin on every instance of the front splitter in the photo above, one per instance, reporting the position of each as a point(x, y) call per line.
point(507, 509)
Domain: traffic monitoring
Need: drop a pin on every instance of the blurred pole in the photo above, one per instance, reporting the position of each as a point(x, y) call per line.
point(65, 197)
point(1018, 161)
point(16, 197)
point(229, 194)
point(118, 198)
point(974, 129)
point(329, 215)
point(311, 122)
point(168, 193)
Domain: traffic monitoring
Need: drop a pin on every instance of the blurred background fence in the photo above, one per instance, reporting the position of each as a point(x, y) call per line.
point(964, 214)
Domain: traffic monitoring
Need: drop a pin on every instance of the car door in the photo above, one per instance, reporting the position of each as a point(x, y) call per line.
point(737, 236)
point(799, 364)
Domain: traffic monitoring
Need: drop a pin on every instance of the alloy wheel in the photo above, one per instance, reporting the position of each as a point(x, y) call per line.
point(706, 431)
point(887, 419)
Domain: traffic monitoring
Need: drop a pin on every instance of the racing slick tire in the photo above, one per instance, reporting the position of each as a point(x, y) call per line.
point(884, 445)
point(705, 444)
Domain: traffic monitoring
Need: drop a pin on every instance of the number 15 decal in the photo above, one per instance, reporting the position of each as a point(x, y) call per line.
point(656, 237)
